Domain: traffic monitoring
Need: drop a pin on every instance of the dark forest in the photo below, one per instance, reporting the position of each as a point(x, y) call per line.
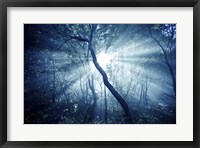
point(100, 73)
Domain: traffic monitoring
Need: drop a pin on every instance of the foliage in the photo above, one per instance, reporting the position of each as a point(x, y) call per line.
point(62, 84)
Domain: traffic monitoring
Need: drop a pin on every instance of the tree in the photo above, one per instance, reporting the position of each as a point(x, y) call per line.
point(165, 37)
point(86, 33)
point(65, 71)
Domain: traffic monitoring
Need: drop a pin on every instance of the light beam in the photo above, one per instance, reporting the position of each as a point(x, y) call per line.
point(104, 59)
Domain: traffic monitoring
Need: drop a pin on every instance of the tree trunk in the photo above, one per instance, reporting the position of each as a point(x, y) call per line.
point(91, 85)
point(145, 94)
point(141, 95)
point(105, 95)
point(173, 77)
point(104, 75)
point(109, 86)
point(171, 71)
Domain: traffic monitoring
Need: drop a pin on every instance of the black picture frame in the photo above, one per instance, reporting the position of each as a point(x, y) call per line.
point(4, 4)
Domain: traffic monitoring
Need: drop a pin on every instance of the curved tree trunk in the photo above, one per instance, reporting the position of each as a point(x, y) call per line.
point(109, 86)
point(102, 72)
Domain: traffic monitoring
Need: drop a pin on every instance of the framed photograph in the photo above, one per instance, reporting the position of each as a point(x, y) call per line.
point(105, 73)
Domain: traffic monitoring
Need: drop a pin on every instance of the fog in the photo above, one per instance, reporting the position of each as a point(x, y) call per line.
point(99, 74)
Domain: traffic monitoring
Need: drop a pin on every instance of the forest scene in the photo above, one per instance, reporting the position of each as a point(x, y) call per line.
point(99, 73)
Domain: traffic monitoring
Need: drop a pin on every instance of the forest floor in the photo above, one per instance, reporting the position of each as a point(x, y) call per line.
point(60, 113)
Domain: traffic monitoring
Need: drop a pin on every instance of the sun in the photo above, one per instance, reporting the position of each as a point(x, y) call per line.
point(103, 59)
